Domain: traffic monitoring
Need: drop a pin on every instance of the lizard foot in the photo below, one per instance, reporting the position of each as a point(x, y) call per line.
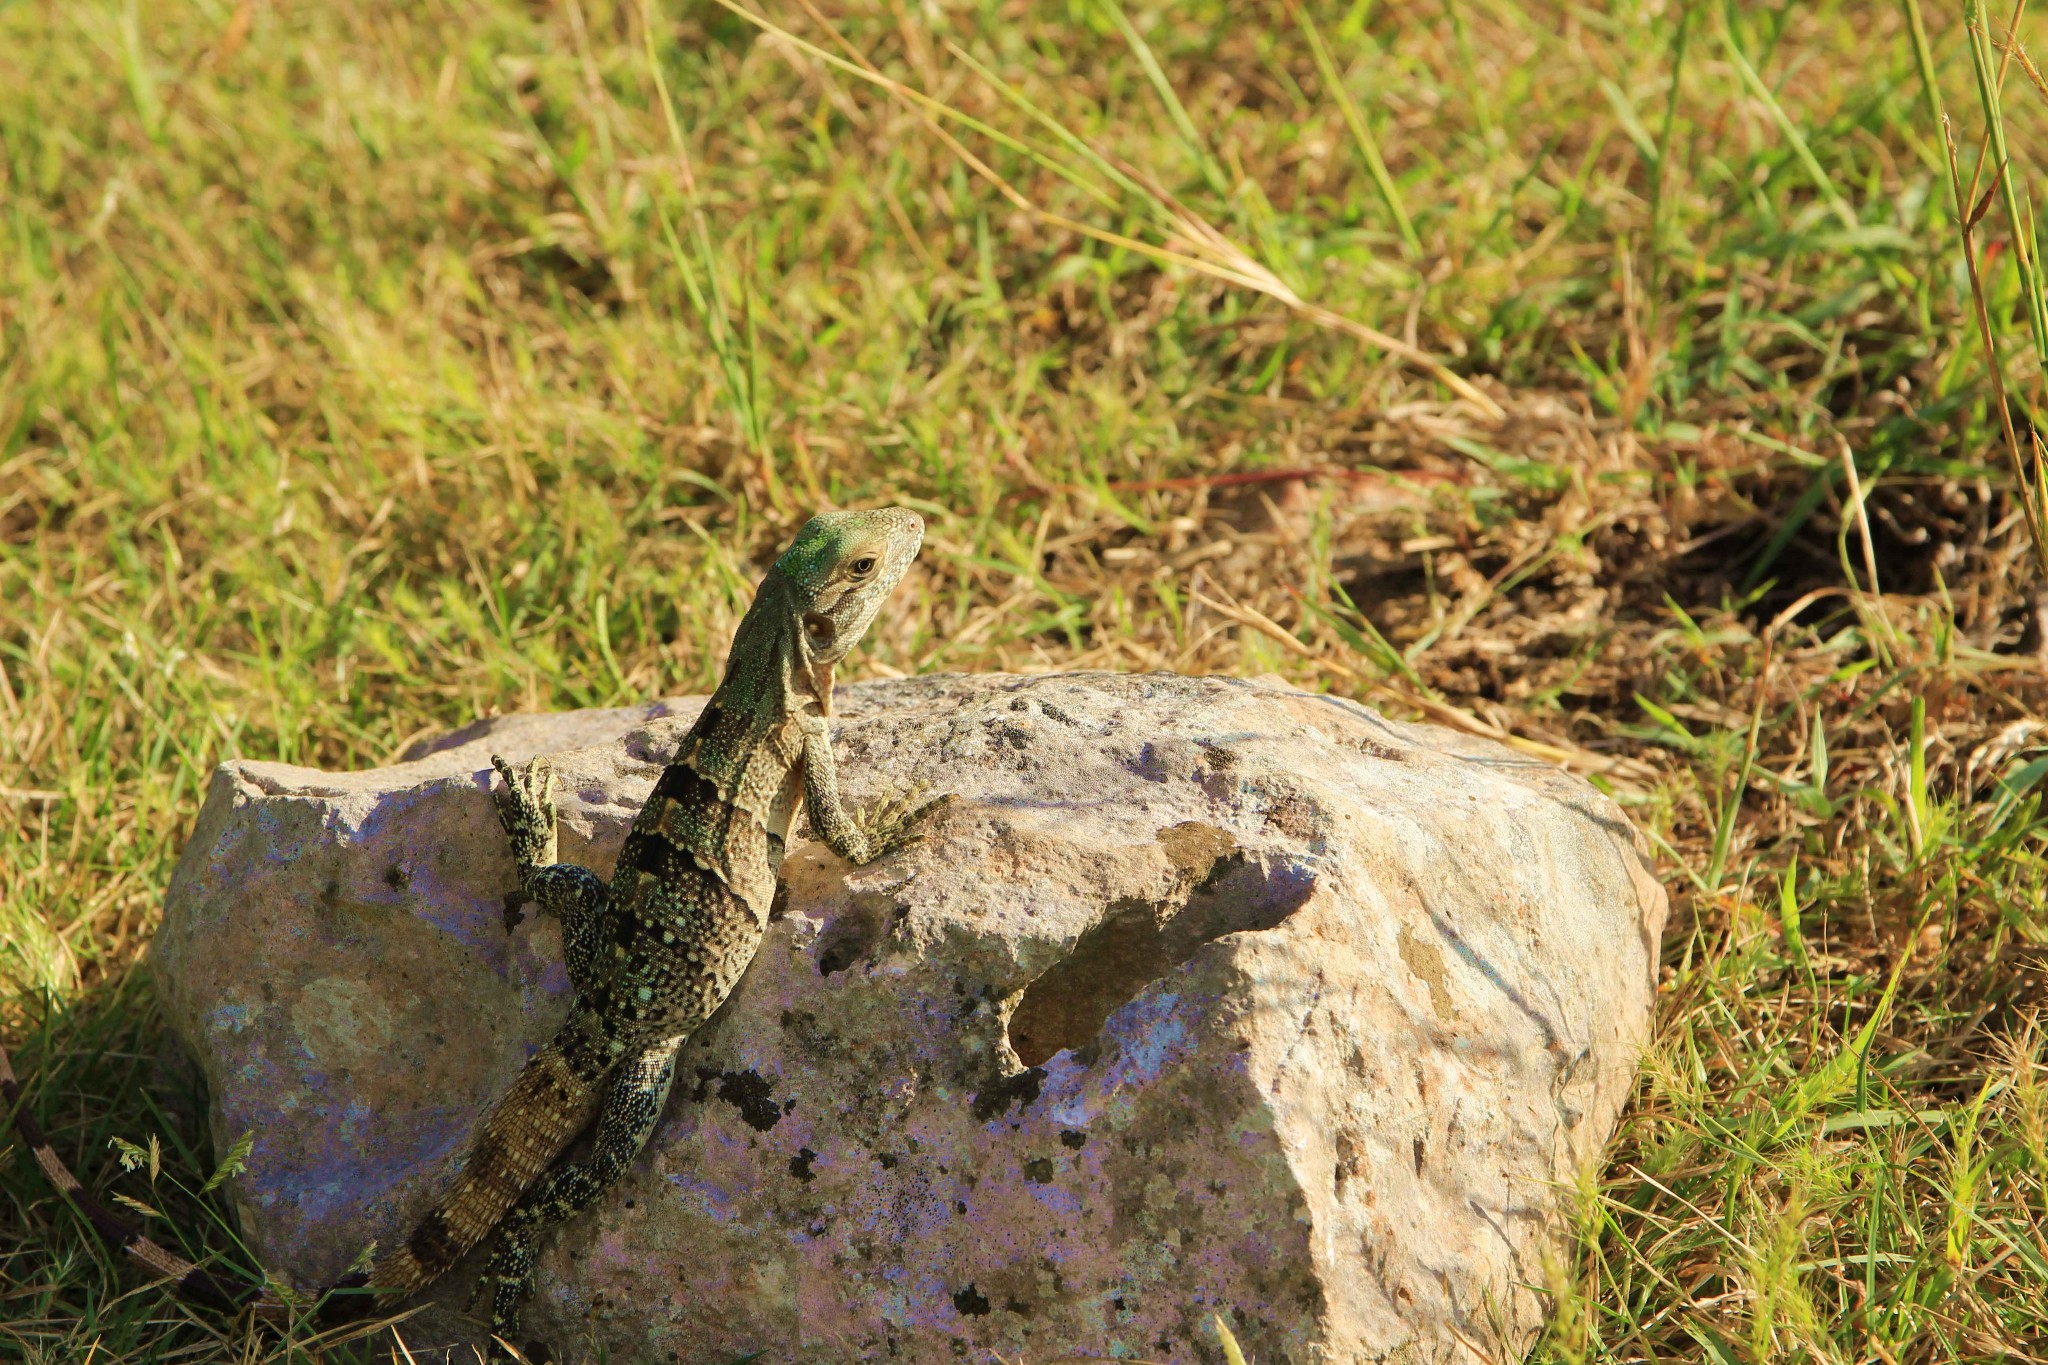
point(895, 823)
point(527, 811)
point(508, 1278)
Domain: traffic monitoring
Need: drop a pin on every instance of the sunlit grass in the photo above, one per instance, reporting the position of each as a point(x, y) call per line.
point(368, 367)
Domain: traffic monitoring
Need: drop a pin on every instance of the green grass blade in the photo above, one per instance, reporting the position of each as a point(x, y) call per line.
point(1361, 132)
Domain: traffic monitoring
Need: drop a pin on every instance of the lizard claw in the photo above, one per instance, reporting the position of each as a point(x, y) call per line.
point(527, 811)
point(896, 823)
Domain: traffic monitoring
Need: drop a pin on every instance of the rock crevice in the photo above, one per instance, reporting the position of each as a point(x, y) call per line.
point(1138, 941)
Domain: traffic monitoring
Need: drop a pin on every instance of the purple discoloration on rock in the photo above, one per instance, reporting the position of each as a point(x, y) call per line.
point(1323, 1008)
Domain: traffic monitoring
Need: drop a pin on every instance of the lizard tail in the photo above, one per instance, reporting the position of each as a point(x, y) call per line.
point(191, 1282)
point(551, 1102)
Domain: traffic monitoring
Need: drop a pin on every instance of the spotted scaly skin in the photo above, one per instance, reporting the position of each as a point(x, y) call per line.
point(655, 952)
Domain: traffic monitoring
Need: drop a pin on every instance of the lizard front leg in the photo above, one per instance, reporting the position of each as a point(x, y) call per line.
point(638, 1091)
point(863, 836)
point(576, 894)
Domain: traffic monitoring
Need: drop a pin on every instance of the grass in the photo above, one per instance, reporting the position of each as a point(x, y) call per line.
point(1609, 379)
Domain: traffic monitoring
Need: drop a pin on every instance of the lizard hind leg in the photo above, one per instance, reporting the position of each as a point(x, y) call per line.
point(632, 1106)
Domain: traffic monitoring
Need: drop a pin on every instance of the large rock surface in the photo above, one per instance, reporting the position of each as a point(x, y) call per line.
point(1206, 995)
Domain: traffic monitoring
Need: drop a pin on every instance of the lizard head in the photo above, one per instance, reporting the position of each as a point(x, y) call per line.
point(840, 569)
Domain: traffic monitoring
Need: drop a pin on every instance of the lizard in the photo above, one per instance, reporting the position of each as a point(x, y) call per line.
point(655, 951)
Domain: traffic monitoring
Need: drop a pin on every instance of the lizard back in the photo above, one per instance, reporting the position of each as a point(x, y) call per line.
point(688, 901)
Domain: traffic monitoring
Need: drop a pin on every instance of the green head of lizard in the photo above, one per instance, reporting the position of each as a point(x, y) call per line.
point(840, 569)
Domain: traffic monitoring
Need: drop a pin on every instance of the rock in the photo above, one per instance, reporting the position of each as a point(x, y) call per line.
point(1206, 995)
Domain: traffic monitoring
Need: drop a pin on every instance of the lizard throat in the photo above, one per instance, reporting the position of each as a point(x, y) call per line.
point(819, 630)
point(821, 686)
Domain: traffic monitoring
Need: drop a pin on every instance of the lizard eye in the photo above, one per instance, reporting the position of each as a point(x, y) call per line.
point(863, 566)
